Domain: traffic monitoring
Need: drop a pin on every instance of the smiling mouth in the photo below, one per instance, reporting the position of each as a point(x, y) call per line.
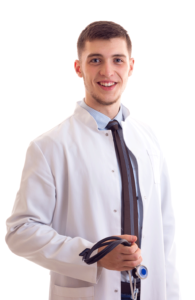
point(107, 84)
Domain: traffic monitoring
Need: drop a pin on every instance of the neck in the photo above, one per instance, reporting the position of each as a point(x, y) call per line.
point(109, 110)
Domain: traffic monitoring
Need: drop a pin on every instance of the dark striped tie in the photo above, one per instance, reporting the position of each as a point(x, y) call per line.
point(129, 201)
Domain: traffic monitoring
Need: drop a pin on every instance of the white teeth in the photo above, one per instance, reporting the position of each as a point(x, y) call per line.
point(107, 84)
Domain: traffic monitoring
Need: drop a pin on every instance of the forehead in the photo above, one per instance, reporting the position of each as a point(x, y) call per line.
point(106, 48)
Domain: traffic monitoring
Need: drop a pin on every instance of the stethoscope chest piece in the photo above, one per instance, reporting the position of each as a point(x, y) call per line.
point(140, 272)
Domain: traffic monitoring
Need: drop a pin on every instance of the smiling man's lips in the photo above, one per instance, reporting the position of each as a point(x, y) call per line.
point(106, 81)
point(107, 85)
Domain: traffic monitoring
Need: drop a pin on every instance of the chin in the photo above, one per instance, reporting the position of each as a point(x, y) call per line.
point(106, 102)
point(109, 101)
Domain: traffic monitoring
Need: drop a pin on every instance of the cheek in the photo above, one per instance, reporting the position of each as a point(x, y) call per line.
point(123, 73)
point(90, 72)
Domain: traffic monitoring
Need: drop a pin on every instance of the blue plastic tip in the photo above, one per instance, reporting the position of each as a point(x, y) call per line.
point(143, 272)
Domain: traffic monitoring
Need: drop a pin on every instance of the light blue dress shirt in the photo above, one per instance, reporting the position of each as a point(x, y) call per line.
point(102, 121)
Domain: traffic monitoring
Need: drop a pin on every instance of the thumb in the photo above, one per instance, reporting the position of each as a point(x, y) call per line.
point(130, 238)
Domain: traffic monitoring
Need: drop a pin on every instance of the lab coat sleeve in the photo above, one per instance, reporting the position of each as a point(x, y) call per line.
point(29, 231)
point(172, 278)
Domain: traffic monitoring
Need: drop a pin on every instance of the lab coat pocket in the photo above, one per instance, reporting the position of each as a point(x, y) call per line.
point(66, 293)
point(155, 162)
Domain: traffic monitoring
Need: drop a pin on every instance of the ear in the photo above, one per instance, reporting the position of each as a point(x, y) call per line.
point(131, 66)
point(77, 68)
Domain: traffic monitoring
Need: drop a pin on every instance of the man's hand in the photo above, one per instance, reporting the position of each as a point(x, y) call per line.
point(122, 258)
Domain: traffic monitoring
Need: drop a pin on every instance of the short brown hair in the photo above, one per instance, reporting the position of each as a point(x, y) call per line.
point(103, 30)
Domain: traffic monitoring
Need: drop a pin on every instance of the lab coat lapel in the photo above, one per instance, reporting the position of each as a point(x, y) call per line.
point(136, 145)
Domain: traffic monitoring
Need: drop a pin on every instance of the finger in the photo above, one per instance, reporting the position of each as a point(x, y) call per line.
point(131, 264)
point(133, 257)
point(129, 250)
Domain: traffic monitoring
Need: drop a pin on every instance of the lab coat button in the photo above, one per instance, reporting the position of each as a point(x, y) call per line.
point(112, 170)
point(106, 134)
point(116, 291)
point(115, 210)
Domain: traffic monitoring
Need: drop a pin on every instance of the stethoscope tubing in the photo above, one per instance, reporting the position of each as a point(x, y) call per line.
point(110, 246)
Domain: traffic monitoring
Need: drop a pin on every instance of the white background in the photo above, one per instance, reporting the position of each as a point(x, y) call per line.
point(39, 89)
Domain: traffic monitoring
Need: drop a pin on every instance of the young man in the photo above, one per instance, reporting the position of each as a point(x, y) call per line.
point(100, 173)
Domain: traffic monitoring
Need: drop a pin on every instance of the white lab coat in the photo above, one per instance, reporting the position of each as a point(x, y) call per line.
point(69, 199)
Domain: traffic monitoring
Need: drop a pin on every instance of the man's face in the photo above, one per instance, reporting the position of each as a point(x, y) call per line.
point(105, 66)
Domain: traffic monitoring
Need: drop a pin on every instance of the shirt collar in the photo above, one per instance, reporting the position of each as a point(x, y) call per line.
point(101, 119)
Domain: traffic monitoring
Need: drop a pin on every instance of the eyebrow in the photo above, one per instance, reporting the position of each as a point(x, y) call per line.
point(100, 55)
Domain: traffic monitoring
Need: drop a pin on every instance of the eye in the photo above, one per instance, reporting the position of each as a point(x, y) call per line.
point(95, 60)
point(118, 60)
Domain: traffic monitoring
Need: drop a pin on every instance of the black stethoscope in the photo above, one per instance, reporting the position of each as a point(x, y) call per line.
point(139, 271)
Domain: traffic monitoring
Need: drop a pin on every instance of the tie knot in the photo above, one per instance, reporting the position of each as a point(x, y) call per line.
point(113, 125)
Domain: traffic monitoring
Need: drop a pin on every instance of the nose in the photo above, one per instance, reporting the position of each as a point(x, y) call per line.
point(106, 70)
